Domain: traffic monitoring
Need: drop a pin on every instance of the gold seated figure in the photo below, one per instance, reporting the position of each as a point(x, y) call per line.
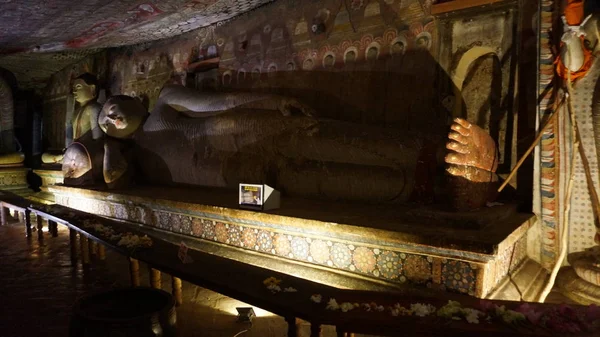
point(85, 118)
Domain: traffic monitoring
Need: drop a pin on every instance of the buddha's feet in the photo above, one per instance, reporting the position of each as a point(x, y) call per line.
point(471, 165)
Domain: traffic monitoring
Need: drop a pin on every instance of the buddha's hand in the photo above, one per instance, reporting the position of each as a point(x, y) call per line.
point(472, 151)
point(287, 106)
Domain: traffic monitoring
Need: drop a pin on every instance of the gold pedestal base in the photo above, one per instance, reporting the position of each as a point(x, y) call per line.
point(49, 178)
point(364, 242)
point(577, 289)
point(14, 179)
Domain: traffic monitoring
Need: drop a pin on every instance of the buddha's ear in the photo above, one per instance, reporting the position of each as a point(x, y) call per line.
point(93, 88)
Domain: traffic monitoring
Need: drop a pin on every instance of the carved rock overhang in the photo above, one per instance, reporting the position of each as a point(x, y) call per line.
point(41, 37)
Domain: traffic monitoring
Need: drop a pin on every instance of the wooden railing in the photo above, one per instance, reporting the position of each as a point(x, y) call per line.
point(293, 297)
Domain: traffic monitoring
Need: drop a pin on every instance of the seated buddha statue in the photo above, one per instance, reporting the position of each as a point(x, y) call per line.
point(222, 139)
point(84, 123)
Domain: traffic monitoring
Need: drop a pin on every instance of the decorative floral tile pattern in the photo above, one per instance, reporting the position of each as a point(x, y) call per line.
point(264, 241)
point(390, 265)
point(282, 245)
point(164, 220)
point(364, 259)
point(248, 238)
point(319, 251)
point(222, 232)
point(417, 268)
point(209, 230)
point(175, 223)
point(197, 227)
point(235, 235)
point(186, 224)
point(341, 255)
point(299, 248)
point(458, 275)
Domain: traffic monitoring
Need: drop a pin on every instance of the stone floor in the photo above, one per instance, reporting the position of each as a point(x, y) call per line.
point(39, 288)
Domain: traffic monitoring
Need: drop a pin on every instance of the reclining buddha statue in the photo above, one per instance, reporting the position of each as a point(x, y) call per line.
point(223, 139)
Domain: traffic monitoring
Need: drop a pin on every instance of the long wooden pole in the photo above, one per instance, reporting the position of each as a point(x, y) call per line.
point(533, 145)
point(564, 230)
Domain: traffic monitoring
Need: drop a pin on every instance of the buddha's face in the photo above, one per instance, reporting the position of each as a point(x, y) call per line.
point(113, 114)
point(83, 92)
point(121, 116)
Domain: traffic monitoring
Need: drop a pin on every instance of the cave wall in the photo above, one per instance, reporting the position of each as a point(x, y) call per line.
point(362, 61)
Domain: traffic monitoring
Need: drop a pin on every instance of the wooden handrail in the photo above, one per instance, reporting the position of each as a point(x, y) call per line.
point(244, 282)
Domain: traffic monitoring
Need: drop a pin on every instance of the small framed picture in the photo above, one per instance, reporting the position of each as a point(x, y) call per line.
point(258, 197)
point(251, 196)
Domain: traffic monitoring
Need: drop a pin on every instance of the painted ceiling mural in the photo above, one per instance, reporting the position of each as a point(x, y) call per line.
point(36, 32)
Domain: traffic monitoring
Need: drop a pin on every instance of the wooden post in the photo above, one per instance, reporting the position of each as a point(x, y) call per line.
point(134, 272)
point(101, 252)
point(85, 250)
point(176, 288)
point(3, 215)
point(315, 330)
point(53, 228)
point(155, 280)
point(73, 244)
point(16, 214)
point(21, 217)
point(93, 248)
point(40, 227)
point(28, 222)
point(292, 326)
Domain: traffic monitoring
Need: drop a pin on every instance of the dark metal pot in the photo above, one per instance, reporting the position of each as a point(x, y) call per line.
point(131, 312)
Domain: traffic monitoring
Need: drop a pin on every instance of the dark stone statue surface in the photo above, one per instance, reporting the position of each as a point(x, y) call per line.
point(223, 139)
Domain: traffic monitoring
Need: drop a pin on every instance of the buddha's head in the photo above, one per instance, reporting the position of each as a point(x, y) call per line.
point(121, 116)
point(85, 88)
